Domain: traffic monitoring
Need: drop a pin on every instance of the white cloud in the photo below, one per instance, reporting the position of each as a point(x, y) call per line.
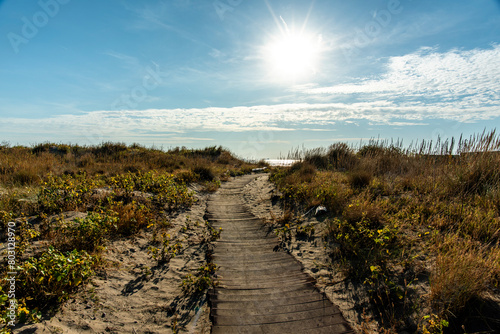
point(283, 117)
point(463, 86)
point(457, 84)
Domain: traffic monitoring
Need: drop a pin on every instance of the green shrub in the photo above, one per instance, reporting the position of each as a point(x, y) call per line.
point(166, 251)
point(363, 245)
point(87, 234)
point(300, 172)
point(305, 232)
point(110, 149)
point(168, 192)
point(201, 280)
point(372, 150)
point(67, 193)
point(5, 217)
point(226, 158)
point(53, 276)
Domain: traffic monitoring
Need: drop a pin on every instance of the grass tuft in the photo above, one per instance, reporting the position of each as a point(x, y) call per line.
point(430, 212)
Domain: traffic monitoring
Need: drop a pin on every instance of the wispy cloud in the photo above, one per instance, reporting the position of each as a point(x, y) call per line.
point(161, 16)
point(128, 61)
point(283, 117)
point(463, 86)
point(429, 72)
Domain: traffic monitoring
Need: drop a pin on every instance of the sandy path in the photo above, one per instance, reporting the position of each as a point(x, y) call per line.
point(261, 290)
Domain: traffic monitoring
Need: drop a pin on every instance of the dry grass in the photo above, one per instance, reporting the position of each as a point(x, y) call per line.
point(396, 211)
point(463, 271)
point(25, 166)
point(117, 191)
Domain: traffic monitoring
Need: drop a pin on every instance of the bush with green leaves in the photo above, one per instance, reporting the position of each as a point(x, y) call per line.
point(88, 234)
point(364, 244)
point(165, 188)
point(166, 251)
point(51, 277)
point(201, 280)
point(67, 192)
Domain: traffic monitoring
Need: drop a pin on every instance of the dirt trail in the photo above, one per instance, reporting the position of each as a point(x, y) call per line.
point(261, 290)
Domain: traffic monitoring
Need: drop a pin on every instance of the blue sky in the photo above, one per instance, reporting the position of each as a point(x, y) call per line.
point(258, 77)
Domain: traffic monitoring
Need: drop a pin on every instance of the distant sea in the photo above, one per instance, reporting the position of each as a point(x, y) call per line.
point(281, 162)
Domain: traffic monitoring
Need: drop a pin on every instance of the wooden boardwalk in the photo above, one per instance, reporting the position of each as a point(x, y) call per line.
point(261, 290)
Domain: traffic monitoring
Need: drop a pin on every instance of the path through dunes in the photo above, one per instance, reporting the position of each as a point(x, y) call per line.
point(261, 290)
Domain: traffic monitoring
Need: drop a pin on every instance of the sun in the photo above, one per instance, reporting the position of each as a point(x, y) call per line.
point(292, 55)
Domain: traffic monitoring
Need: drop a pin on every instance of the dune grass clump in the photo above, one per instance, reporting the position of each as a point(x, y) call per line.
point(341, 156)
point(463, 271)
point(71, 201)
point(429, 212)
point(204, 173)
point(360, 179)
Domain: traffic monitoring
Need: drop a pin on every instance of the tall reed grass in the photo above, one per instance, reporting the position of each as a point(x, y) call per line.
point(397, 211)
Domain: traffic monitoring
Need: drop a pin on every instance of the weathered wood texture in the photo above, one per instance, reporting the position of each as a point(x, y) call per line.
point(261, 290)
